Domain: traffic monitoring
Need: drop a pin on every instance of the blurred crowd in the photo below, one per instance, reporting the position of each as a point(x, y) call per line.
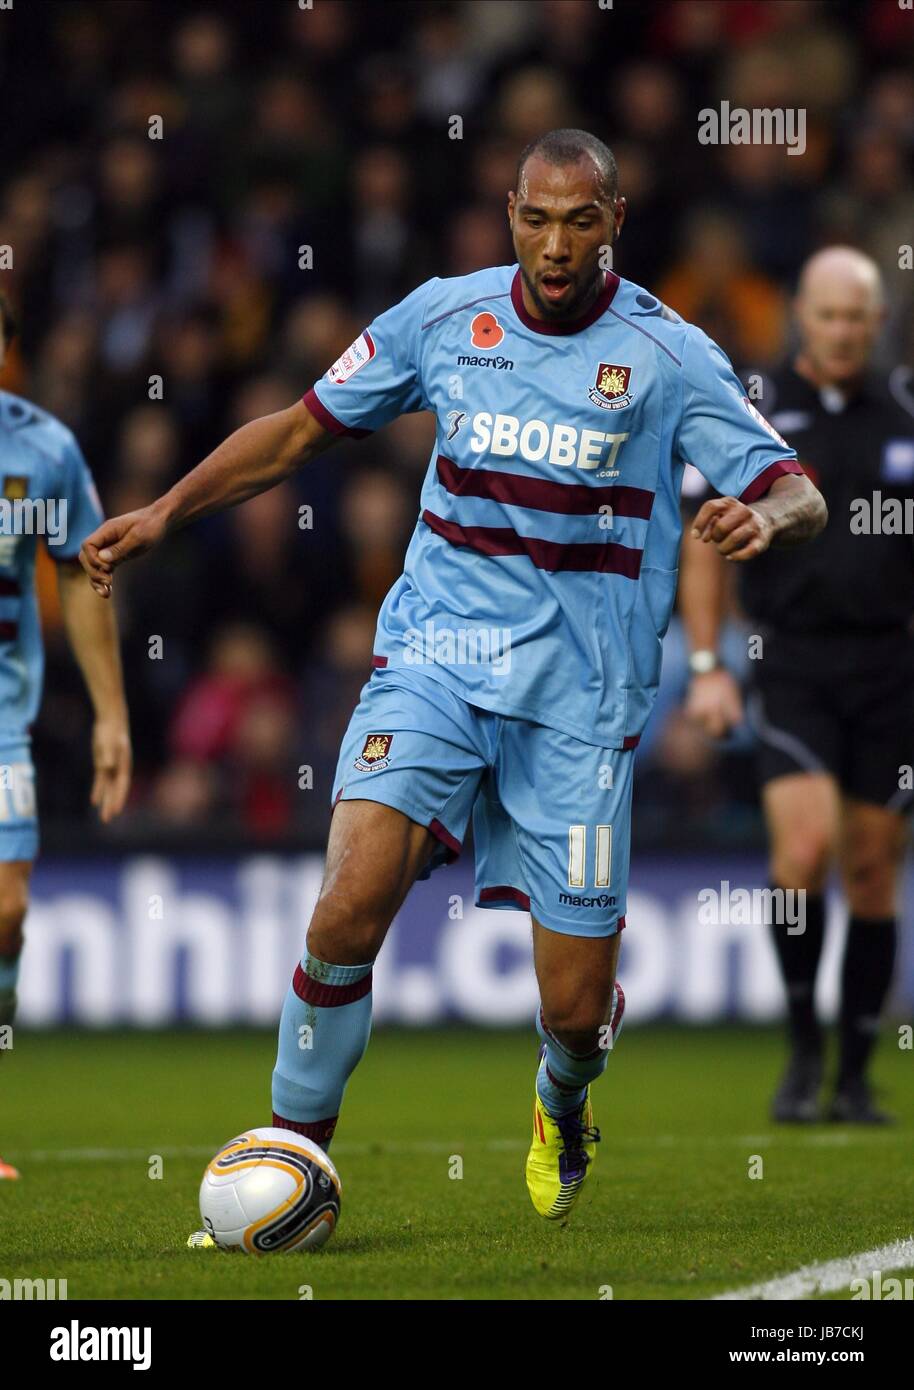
point(163, 165)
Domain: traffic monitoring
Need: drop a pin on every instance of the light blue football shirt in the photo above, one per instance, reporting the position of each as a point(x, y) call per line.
point(541, 575)
point(46, 492)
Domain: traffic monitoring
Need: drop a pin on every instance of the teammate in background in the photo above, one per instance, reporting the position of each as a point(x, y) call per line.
point(43, 471)
point(832, 698)
point(567, 402)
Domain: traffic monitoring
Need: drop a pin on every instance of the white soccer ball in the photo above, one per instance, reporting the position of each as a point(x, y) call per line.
point(270, 1189)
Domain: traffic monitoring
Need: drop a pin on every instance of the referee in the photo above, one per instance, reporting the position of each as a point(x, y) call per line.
point(830, 697)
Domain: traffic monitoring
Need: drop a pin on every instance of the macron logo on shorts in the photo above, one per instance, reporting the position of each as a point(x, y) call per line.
point(353, 359)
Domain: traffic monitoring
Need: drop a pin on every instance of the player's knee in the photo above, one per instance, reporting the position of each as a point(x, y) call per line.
point(576, 1022)
point(802, 862)
point(347, 931)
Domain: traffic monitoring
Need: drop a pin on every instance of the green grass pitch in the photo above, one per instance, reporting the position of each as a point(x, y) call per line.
point(669, 1210)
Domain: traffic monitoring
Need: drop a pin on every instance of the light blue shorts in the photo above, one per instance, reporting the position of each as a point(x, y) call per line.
point(18, 812)
point(551, 815)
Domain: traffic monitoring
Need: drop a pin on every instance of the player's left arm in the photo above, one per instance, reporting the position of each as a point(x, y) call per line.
point(766, 498)
point(91, 629)
point(792, 511)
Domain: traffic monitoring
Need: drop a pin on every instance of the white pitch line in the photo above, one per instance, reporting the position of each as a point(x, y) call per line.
point(657, 1141)
point(828, 1276)
point(108, 1155)
point(90, 1155)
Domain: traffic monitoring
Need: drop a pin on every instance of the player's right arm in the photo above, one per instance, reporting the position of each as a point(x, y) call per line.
point(256, 457)
point(375, 380)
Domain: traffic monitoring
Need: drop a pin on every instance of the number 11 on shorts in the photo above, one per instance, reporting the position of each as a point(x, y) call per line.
point(577, 856)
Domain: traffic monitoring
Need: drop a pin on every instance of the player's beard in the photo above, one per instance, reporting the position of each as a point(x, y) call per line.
point(578, 303)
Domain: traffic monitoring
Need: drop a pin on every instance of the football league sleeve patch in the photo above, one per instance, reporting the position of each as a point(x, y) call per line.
point(378, 377)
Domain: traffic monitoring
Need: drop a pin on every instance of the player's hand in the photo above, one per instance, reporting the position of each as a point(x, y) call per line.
point(714, 702)
point(113, 760)
point(738, 531)
point(119, 539)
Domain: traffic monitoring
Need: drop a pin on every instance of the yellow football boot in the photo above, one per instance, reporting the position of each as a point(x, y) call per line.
point(560, 1157)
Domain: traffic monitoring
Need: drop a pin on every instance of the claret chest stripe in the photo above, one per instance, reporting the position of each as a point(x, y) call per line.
point(600, 558)
point(541, 494)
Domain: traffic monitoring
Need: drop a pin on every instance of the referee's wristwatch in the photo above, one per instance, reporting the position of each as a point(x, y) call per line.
point(703, 661)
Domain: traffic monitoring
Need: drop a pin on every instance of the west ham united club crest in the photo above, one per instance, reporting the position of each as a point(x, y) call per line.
point(375, 754)
point(611, 390)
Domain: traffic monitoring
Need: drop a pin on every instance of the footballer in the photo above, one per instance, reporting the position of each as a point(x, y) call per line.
point(568, 401)
point(42, 468)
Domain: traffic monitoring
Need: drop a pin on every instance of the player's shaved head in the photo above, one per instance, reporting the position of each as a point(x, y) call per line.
point(840, 308)
point(565, 215)
point(563, 147)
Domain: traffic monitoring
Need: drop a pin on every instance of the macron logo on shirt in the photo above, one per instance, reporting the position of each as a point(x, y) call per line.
point(353, 359)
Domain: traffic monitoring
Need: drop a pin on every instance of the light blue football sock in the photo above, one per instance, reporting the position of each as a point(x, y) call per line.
point(323, 1033)
point(563, 1076)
